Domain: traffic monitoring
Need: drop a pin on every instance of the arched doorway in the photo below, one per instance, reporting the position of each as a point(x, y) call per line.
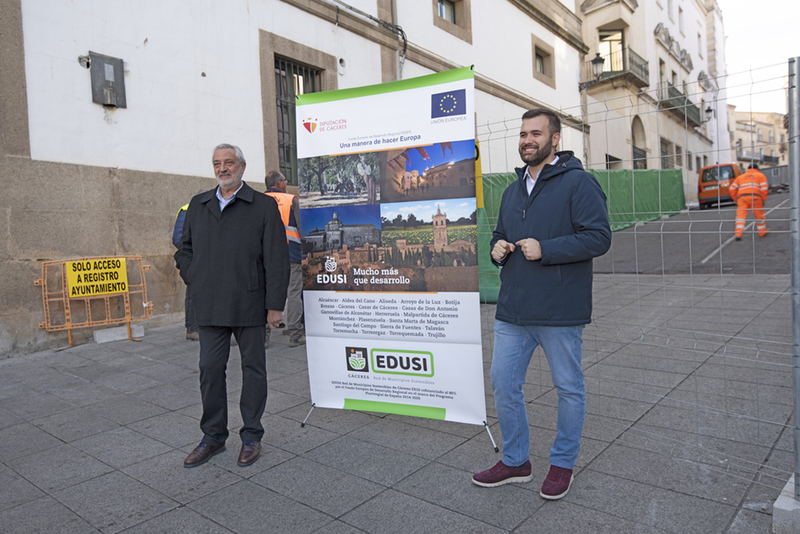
point(639, 142)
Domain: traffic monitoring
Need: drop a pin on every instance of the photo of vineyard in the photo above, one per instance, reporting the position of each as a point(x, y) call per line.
point(435, 244)
point(423, 235)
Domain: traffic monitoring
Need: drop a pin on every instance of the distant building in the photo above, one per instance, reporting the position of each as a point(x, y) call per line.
point(337, 235)
point(659, 99)
point(758, 137)
point(454, 174)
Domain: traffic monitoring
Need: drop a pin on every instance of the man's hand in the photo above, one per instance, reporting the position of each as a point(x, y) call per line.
point(530, 248)
point(274, 318)
point(501, 249)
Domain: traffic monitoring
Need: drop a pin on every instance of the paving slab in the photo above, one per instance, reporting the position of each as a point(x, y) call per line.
point(172, 428)
point(114, 502)
point(24, 439)
point(15, 489)
point(267, 511)
point(73, 424)
point(408, 438)
point(372, 461)
point(570, 517)
point(124, 409)
point(180, 520)
point(165, 473)
point(394, 512)
point(648, 504)
point(505, 506)
point(44, 515)
point(59, 468)
point(121, 447)
point(324, 488)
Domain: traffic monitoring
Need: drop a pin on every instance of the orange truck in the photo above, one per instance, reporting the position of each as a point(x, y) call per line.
point(713, 183)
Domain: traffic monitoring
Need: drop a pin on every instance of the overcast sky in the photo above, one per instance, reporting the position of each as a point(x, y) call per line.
point(760, 38)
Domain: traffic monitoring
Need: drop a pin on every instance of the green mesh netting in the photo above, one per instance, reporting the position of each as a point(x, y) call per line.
point(643, 196)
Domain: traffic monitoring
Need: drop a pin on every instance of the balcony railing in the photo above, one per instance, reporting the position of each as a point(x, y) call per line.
point(674, 101)
point(752, 155)
point(627, 63)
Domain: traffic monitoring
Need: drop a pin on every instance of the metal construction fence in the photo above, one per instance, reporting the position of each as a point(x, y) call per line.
point(690, 354)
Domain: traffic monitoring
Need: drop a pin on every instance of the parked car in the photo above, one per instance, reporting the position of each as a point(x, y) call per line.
point(713, 182)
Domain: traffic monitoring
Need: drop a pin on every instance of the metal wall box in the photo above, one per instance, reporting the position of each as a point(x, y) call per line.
point(108, 80)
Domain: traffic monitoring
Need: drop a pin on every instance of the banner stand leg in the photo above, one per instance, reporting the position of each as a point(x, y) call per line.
point(490, 436)
point(307, 416)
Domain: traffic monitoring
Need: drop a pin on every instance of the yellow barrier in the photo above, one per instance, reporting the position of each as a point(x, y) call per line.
point(118, 285)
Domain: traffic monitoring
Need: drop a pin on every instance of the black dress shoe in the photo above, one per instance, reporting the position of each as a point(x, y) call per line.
point(201, 454)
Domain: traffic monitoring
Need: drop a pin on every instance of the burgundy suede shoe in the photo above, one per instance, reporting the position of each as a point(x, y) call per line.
point(557, 483)
point(502, 474)
point(201, 454)
point(250, 452)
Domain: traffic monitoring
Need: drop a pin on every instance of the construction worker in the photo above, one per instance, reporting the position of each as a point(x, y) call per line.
point(289, 207)
point(749, 190)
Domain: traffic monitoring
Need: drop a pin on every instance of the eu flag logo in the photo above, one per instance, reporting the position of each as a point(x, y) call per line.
point(449, 104)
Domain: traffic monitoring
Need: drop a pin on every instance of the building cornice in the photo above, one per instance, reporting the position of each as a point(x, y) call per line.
point(430, 60)
point(534, 9)
point(593, 5)
point(436, 63)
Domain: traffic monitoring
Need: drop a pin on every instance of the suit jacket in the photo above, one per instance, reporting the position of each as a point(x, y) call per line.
point(236, 262)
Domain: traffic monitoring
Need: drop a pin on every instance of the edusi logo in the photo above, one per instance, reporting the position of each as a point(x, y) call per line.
point(356, 359)
point(310, 124)
point(402, 362)
point(330, 264)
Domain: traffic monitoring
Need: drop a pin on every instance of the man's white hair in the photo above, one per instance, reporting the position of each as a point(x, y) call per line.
point(236, 149)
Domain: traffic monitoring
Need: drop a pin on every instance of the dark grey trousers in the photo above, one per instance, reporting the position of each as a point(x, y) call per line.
point(214, 352)
point(191, 322)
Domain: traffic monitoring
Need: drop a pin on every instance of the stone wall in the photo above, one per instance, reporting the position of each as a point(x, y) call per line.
point(52, 211)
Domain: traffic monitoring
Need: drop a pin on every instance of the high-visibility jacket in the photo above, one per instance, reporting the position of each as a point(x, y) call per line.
point(177, 229)
point(752, 183)
point(285, 201)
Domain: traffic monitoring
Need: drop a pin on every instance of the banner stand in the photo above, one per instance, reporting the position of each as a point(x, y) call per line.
point(485, 425)
point(388, 224)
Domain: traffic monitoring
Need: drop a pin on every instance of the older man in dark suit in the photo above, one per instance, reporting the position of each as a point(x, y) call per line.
point(233, 255)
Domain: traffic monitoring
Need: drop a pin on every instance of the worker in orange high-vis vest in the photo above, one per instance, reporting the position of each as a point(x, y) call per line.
point(289, 206)
point(749, 190)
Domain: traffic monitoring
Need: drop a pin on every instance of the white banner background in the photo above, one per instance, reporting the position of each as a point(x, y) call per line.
point(412, 353)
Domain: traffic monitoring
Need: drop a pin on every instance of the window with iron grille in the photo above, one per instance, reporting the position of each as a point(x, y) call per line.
point(639, 159)
point(689, 160)
point(291, 79)
point(666, 154)
point(679, 156)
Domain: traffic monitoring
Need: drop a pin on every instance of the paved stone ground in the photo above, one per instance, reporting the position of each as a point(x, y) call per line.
point(689, 398)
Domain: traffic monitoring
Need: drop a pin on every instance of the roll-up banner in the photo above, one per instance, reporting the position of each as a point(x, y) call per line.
point(389, 241)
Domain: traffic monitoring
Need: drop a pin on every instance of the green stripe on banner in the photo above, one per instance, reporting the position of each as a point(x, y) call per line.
point(428, 412)
point(454, 75)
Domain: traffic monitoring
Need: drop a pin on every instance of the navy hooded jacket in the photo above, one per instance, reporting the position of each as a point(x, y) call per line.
point(566, 212)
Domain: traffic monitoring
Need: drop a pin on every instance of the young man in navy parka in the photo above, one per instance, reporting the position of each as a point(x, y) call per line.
point(552, 221)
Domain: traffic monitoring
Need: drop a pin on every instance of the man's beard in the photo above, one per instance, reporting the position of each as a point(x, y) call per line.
point(229, 179)
point(540, 155)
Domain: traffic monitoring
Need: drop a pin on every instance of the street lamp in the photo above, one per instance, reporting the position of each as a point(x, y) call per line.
point(709, 113)
point(597, 71)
